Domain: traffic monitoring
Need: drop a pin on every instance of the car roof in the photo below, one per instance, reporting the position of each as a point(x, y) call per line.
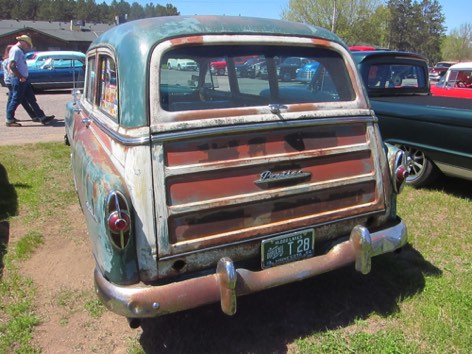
point(59, 53)
point(360, 56)
point(133, 43)
point(462, 65)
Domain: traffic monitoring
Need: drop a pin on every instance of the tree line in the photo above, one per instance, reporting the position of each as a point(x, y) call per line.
point(409, 25)
point(87, 10)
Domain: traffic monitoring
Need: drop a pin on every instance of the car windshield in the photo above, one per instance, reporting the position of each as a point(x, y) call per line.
point(207, 88)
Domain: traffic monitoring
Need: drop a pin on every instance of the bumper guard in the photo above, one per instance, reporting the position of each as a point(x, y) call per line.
point(228, 283)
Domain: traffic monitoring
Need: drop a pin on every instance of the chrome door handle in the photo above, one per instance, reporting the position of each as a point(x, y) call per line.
point(87, 122)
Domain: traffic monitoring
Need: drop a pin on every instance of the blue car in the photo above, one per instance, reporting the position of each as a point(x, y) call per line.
point(56, 70)
point(307, 72)
point(58, 73)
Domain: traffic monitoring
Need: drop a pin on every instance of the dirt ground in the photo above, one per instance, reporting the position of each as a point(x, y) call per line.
point(52, 102)
point(267, 322)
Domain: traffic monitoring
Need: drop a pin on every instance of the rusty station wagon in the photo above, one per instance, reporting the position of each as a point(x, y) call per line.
point(199, 188)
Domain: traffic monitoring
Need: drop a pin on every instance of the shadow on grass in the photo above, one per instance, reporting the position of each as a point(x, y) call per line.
point(265, 322)
point(455, 186)
point(8, 207)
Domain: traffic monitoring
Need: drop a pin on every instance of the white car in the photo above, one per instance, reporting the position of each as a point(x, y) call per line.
point(182, 64)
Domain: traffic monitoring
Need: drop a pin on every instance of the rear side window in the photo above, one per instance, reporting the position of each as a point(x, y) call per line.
point(215, 77)
point(108, 87)
point(90, 80)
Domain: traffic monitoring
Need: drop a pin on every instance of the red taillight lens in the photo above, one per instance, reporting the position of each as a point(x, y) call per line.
point(118, 220)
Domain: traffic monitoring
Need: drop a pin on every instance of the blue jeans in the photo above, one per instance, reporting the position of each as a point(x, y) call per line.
point(21, 91)
point(25, 104)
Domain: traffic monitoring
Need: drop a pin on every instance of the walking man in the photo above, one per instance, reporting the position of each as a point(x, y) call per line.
point(20, 87)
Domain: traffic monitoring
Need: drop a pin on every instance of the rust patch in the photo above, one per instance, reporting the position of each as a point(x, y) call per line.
point(213, 113)
point(187, 40)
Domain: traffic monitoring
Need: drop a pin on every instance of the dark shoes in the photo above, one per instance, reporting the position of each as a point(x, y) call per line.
point(46, 119)
point(13, 123)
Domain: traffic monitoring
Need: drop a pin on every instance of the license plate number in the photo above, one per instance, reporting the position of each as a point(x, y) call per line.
point(287, 248)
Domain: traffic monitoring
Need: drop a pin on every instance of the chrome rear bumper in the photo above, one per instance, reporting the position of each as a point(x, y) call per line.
point(228, 283)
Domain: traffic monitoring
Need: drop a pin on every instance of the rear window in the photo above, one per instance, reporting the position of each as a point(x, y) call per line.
point(396, 76)
point(245, 76)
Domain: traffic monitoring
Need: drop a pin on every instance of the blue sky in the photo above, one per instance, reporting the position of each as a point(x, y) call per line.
point(457, 12)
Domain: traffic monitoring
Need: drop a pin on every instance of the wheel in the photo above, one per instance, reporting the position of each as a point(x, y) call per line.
point(421, 170)
point(397, 80)
point(66, 140)
point(179, 67)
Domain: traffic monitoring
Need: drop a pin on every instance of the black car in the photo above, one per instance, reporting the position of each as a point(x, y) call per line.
point(288, 68)
point(251, 68)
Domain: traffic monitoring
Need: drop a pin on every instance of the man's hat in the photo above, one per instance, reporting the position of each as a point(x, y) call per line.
point(26, 39)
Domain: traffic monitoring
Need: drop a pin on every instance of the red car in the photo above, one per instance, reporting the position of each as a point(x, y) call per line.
point(438, 71)
point(457, 82)
point(218, 66)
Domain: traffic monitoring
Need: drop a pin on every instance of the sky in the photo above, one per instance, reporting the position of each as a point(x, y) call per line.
point(457, 12)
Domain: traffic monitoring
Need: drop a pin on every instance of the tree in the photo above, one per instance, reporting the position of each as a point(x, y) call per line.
point(352, 20)
point(458, 45)
point(416, 27)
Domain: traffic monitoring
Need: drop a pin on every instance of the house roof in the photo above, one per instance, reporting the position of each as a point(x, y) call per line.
point(66, 31)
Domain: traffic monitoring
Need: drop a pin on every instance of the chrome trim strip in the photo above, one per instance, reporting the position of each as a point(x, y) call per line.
point(252, 127)
point(124, 139)
point(234, 129)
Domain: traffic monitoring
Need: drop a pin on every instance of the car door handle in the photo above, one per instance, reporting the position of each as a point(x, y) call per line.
point(86, 121)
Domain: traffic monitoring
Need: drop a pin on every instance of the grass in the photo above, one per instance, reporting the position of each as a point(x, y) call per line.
point(30, 193)
point(418, 301)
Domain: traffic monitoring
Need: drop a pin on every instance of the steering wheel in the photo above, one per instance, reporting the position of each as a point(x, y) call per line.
point(460, 84)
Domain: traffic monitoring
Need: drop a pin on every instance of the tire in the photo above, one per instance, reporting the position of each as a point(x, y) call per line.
point(179, 67)
point(422, 171)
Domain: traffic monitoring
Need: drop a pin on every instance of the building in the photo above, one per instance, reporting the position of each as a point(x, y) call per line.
point(52, 35)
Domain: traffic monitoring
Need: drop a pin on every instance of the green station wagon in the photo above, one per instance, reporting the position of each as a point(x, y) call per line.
point(198, 188)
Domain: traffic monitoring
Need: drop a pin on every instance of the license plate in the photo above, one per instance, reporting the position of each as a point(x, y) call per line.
point(287, 248)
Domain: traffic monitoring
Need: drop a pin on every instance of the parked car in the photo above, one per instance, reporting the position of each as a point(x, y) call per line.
point(438, 71)
point(56, 70)
point(37, 59)
point(182, 64)
point(434, 131)
point(457, 82)
point(251, 68)
point(288, 68)
point(307, 72)
point(218, 66)
point(199, 188)
point(58, 73)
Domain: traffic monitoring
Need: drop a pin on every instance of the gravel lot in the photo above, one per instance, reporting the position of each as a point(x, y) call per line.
point(52, 102)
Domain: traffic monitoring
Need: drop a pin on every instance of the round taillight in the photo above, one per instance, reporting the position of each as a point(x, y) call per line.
point(118, 221)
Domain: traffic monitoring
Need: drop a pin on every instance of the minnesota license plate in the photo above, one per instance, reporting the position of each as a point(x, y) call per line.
point(287, 248)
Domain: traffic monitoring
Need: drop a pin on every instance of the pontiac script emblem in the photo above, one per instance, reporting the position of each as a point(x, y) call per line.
point(281, 177)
